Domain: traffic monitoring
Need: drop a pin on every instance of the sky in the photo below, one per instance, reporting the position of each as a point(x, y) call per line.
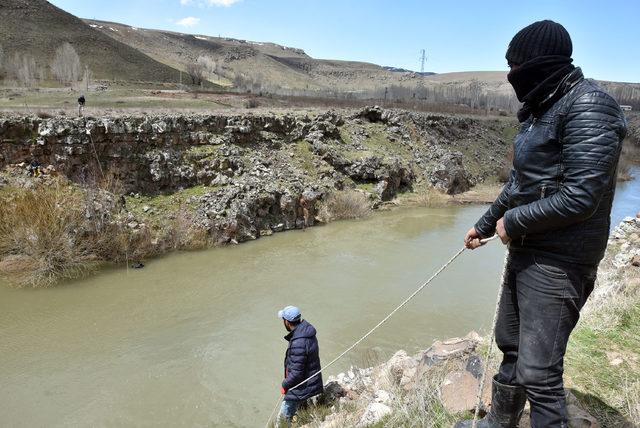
point(458, 35)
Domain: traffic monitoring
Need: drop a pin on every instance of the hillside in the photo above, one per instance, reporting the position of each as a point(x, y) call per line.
point(271, 64)
point(38, 28)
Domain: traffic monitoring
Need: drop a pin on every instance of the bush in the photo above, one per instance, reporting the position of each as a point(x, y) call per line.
point(251, 103)
point(349, 204)
point(41, 235)
point(55, 230)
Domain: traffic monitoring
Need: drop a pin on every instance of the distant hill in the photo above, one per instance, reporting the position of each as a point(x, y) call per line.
point(404, 70)
point(120, 52)
point(269, 63)
point(38, 28)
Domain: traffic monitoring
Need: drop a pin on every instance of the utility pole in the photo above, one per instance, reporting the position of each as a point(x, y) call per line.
point(423, 59)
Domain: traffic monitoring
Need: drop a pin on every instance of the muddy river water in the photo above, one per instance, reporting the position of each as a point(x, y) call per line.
point(193, 338)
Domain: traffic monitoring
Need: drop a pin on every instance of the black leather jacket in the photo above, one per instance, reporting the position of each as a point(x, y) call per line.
point(558, 199)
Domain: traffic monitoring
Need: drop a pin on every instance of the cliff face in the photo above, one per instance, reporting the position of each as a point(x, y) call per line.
point(257, 173)
point(162, 154)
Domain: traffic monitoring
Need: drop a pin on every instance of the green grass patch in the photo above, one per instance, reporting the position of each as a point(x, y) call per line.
point(367, 187)
point(205, 151)
point(509, 132)
point(377, 143)
point(305, 157)
point(606, 387)
point(164, 204)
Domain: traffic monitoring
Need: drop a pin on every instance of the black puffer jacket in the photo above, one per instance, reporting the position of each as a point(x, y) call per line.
point(558, 199)
point(301, 361)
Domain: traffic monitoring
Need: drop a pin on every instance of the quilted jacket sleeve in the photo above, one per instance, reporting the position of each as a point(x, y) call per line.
point(296, 363)
point(591, 142)
point(486, 226)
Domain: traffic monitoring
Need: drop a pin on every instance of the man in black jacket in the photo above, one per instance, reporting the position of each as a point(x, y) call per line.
point(554, 213)
point(301, 361)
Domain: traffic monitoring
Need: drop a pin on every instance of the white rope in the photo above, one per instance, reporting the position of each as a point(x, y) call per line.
point(493, 335)
point(385, 319)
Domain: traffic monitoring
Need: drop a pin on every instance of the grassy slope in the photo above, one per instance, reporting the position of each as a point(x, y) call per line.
point(39, 28)
point(267, 62)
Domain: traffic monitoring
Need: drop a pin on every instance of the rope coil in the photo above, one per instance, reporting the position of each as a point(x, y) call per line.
point(385, 319)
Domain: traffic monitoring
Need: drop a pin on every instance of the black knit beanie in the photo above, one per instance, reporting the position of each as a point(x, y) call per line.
point(539, 39)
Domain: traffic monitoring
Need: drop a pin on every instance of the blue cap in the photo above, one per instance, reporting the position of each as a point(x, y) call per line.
point(290, 313)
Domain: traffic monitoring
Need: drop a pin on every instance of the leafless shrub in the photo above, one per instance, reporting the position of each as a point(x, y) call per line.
point(66, 64)
point(429, 198)
point(251, 103)
point(348, 204)
point(2, 64)
point(197, 70)
point(183, 234)
point(41, 235)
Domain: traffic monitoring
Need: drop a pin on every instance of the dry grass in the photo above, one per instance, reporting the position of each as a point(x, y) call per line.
point(348, 204)
point(54, 231)
point(608, 331)
point(422, 406)
point(41, 235)
point(428, 197)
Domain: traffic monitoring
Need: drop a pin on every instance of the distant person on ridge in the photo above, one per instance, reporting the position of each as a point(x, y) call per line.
point(301, 361)
point(554, 213)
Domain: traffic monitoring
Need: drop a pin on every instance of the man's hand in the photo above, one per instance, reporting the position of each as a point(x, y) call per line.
point(502, 232)
point(472, 239)
point(283, 391)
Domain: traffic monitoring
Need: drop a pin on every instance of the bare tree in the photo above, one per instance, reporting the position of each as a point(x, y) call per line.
point(66, 64)
point(86, 78)
point(209, 64)
point(23, 69)
point(197, 71)
point(3, 66)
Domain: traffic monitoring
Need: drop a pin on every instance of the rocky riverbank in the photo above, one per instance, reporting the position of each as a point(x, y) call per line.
point(166, 182)
point(438, 385)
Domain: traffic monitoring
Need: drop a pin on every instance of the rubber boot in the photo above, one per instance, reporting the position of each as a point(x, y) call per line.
point(507, 405)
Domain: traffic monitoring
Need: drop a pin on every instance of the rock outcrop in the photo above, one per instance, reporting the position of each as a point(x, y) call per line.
point(258, 173)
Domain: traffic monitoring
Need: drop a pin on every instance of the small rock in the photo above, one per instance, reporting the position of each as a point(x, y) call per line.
point(635, 261)
point(146, 208)
point(373, 414)
point(578, 417)
point(474, 366)
point(440, 351)
point(459, 391)
point(382, 396)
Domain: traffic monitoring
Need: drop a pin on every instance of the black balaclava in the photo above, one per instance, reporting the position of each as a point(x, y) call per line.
point(542, 52)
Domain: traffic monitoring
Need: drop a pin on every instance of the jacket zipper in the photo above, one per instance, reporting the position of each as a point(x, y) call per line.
point(533, 122)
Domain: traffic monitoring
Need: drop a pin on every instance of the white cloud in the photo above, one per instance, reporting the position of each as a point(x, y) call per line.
point(188, 22)
point(222, 3)
point(186, 2)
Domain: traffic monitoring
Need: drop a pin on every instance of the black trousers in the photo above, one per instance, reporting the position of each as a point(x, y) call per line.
point(539, 308)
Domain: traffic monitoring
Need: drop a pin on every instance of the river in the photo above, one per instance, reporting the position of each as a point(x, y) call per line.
point(193, 338)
